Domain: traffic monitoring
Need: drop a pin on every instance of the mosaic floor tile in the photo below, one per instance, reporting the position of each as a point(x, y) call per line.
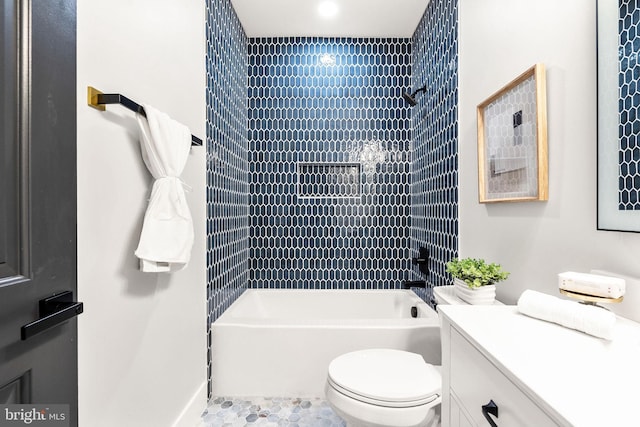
point(276, 412)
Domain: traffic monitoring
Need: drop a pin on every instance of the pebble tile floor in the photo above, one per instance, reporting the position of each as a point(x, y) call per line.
point(276, 412)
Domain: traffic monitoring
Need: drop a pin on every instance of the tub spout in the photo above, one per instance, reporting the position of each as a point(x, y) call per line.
point(414, 284)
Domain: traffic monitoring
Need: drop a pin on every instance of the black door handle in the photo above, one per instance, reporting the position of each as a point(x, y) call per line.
point(490, 408)
point(53, 311)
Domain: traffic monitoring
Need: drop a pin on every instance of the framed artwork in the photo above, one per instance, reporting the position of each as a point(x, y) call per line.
point(618, 124)
point(512, 141)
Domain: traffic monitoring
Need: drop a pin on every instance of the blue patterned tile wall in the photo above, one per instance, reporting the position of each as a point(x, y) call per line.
point(320, 107)
point(227, 186)
point(434, 188)
point(629, 106)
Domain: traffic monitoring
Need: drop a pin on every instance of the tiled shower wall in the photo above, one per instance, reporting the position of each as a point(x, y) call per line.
point(227, 188)
point(329, 114)
point(330, 110)
point(629, 125)
point(434, 175)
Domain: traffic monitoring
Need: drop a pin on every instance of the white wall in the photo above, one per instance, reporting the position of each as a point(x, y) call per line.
point(499, 39)
point(142, 337)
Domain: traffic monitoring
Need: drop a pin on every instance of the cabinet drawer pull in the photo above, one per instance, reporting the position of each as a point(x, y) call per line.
point(490, 408)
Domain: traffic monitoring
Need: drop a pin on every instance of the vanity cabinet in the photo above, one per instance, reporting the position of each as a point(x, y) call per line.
point(475, 382)
point(535, 373)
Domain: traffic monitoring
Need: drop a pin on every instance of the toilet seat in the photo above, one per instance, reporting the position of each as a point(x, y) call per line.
point(385, 377)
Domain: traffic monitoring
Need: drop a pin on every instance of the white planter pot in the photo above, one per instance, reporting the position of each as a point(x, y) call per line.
point(484, 295)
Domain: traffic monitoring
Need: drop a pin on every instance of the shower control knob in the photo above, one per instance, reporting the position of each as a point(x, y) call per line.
point(422, 260)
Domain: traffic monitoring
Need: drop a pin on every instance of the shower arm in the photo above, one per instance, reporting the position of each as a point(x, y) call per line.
point(411, 97)
point(417, 91)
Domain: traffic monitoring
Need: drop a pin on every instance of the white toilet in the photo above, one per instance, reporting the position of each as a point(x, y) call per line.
point(384, 388)
point(387, 388)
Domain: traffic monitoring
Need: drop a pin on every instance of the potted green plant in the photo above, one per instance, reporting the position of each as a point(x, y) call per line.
point(474, 279)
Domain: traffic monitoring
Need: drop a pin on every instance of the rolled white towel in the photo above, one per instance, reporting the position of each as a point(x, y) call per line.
point(592, 320)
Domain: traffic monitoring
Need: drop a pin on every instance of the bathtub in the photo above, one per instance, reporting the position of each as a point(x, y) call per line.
point(279, 342)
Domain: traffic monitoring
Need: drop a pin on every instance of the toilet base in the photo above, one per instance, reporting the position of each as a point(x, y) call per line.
point(360, 414)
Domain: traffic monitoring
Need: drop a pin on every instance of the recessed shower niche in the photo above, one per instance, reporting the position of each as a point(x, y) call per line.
point(328, 180)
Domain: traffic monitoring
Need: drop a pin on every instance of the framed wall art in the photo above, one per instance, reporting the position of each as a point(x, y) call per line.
point(618, 123)
point(512, 141)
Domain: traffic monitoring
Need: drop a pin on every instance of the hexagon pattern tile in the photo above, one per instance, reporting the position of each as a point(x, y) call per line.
point(320, 106)
point(272, 412)
point(227, 189)
point(629, 104)
point(434, 166)
point(319, 175)
point(511, 135)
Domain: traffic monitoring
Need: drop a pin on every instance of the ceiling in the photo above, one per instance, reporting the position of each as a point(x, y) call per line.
point(355, 18)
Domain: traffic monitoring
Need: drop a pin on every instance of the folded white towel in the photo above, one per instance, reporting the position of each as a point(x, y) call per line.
point(592, 320)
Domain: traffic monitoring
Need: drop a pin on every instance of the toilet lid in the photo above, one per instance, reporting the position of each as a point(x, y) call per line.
point(385, 377)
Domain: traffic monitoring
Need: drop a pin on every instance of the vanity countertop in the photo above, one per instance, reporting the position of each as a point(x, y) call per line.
point(578, 379)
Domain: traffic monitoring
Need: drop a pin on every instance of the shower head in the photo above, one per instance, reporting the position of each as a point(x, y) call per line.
point(411, 98)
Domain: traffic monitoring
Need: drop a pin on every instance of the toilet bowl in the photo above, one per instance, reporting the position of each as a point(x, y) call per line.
point(388, 388)
point(384, 388)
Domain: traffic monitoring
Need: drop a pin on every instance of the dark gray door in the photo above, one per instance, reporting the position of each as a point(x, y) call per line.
point(38, 364)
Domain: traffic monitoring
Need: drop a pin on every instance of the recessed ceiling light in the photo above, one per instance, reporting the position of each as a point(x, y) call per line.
point(328, 9)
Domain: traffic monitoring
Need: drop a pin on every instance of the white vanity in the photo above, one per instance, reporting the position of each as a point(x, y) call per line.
point(538, 374)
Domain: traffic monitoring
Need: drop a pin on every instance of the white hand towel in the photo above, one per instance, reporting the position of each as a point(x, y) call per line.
point(592, 320)
point(167, 232)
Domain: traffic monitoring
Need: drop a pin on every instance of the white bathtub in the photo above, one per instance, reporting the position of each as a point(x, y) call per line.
point(278, 343)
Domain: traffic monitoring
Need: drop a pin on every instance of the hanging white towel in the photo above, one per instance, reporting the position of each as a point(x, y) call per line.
point(167, 231)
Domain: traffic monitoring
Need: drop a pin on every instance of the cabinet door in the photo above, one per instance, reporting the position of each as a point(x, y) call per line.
point(457, 416)
point(475, 381)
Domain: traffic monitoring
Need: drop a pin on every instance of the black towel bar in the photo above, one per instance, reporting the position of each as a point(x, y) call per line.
point(97, 99)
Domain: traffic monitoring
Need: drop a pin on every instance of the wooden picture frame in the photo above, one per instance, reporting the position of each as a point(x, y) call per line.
point(512, 141)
